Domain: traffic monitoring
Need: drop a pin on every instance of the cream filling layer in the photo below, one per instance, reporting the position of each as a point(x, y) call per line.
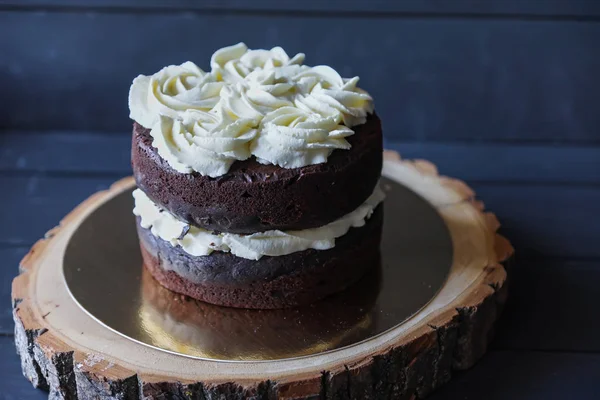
point(200, 242)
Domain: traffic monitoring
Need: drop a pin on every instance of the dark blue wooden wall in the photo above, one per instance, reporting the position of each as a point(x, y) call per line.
point(502, 93)
point(500, 70)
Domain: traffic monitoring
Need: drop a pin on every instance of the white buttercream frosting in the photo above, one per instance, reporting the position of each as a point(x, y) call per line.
point(280, 111)
point(200, 242)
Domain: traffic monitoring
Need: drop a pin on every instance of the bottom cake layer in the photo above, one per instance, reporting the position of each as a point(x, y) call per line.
point(270, 282)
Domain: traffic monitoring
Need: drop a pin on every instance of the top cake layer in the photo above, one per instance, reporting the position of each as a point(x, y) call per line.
point(259, 143)
point(252, 197)
point(258, 103)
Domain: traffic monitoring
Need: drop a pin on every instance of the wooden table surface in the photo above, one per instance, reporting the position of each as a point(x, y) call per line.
point(547, 197)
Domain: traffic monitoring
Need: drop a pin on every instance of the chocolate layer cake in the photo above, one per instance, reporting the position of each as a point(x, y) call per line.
point(258, 181)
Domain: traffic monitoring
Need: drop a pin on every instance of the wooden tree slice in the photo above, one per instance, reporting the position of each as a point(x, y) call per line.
point(65, 351)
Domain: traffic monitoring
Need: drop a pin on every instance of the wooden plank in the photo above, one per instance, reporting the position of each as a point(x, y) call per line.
point(508, 163)
point(546, 220)
point(584, 8)
point(526, 375)
point(65, 152)
point(82, 152)
point(470, 79)
point(549, 306)
point(540, 220)
point(10, 256)
point(32, 205)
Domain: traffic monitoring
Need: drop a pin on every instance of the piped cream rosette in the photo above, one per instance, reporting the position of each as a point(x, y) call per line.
point(172, 91)
point(207, 142)
point(234, 63)
point(291, 138)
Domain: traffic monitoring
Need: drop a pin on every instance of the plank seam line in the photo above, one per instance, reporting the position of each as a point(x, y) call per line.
point(299, 13)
